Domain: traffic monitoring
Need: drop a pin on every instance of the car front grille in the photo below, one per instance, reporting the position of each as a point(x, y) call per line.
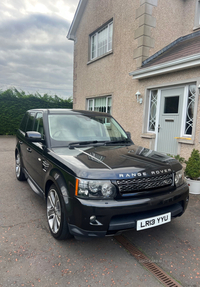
point(144, 183)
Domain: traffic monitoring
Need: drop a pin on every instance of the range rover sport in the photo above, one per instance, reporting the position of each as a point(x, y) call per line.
point(95, 181)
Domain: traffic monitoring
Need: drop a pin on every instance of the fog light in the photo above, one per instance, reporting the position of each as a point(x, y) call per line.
point(93, 219)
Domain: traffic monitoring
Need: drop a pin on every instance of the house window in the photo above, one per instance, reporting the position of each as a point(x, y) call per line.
point(190, 110)
point(102, 104)
point(153, 110)
point(197, 14)
point(101, 41)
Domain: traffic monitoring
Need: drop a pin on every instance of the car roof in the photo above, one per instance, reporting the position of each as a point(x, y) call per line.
point(70, 111)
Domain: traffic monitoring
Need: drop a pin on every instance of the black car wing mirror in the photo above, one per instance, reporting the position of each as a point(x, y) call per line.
point(34, 136)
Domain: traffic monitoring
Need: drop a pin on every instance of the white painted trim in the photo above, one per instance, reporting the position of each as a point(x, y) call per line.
point(88, 104)
point(149, 106)
point(95, 43)
point(93, 104)
point(149, 110)
point(157, 118)
point(197, 15)
point(184, 111)
point(109, 97)
point(75, 22)
point(169, 67)
point(184, 120)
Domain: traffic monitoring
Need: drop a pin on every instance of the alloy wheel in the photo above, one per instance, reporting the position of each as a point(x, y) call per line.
point(17, 165)
point(53, 211)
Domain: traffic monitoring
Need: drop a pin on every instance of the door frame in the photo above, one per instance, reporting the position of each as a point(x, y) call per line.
point(150, 135)
point(184, 106)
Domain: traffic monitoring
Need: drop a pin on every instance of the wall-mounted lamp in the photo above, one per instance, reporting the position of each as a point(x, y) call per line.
point(139, 98)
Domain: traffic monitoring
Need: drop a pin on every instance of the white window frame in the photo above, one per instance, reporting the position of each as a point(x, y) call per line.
point(96, 36)
point(197, 15)
point(88, 104)
point(157, 110)
point(93, 102)
point(184, 116)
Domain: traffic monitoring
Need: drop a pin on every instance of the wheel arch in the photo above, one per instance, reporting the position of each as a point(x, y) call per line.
point(56, 177)
point(63, 230)
point(16, 152)
point(19, 166)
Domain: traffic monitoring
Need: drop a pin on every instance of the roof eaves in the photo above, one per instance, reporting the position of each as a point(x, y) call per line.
point(76, 20)
point(168, 67)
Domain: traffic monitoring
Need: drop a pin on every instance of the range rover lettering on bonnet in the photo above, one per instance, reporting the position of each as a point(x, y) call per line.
point(139, 174)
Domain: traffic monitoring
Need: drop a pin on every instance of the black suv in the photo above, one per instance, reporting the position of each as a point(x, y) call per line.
point(95, 181)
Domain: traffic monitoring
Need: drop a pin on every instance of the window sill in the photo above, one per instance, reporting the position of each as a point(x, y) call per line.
point(148, 135)
point(185, 140)
point(98, 58)
point(196, 28)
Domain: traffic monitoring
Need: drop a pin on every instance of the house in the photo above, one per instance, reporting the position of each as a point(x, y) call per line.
point(140, 61)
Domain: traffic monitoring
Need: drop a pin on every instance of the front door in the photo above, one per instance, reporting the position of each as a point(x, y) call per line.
point(170, 119)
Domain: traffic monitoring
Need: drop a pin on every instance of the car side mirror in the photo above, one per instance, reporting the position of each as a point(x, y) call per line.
point(34, 136)
point(128, 134)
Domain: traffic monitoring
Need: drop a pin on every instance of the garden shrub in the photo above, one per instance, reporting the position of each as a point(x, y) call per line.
point(193, 165)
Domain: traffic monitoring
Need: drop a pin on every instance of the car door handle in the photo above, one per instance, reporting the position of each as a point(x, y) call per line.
point(29, 149)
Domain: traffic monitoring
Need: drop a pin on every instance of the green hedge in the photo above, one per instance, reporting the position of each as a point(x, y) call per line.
point(13, 105)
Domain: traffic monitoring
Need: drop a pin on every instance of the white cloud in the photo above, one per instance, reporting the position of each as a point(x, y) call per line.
point(34, 52)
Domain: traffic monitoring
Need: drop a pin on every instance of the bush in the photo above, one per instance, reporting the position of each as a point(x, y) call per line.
point(193, 165)
point(13, 105)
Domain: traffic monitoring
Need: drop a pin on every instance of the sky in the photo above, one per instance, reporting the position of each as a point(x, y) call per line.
point(35, 55)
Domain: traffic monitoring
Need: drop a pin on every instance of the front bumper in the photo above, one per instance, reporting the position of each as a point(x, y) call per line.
point(113, 216)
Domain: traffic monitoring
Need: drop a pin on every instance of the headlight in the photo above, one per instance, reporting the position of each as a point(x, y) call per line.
point(179, 177)
point(95, 189)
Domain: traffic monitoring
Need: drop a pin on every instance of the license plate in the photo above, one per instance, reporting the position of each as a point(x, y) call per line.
point(153, 221)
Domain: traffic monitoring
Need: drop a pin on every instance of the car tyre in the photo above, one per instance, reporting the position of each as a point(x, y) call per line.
point(18, 168)
point(56, 215)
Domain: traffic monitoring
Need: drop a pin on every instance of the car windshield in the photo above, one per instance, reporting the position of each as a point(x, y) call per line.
point(68, 128)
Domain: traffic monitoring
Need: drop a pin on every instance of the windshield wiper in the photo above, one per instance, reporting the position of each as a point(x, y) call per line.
point(83, 143)
point(118, 142)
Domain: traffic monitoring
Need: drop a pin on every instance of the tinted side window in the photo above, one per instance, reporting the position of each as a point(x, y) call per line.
point(38, 125)
point(31, 117)
point(23, 123)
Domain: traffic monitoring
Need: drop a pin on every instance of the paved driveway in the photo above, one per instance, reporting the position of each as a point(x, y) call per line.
point(30, 256)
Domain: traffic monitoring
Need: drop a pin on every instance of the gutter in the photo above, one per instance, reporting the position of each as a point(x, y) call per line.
point(169, 67)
